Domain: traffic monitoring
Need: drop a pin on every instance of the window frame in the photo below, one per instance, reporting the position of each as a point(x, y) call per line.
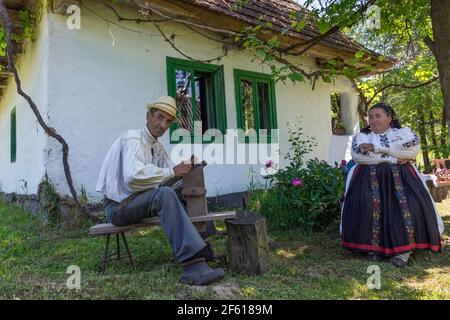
point(338, 97)
point(13, 135)
point(219, 103)
point(255, 78)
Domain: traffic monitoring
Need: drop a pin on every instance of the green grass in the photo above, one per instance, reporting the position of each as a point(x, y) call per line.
point(34, 260)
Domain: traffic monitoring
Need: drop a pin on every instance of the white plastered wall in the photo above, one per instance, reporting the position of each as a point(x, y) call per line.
point(101, 76)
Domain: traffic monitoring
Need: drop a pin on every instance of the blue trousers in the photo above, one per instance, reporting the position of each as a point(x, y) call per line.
point(164, 203)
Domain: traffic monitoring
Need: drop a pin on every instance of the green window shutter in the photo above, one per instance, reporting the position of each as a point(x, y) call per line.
point(221, 110)
point(13, 135)
point(200, 94)
point(255, 102)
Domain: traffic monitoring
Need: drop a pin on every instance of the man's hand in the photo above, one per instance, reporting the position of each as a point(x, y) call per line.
point(366, 147)
point(181, 169)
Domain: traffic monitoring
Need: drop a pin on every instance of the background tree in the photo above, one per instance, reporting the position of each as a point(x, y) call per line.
point(414, 86)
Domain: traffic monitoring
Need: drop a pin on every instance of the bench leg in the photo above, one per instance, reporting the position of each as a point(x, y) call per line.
point(107, 257)
point(105, 254)
point(128, 250)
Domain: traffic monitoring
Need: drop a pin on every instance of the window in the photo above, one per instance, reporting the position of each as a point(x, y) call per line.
point(337, 125)
point(200, 94)
point(255, 102)
point(13, 135)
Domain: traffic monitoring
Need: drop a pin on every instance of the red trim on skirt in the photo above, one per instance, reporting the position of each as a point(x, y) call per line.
point(409, 247)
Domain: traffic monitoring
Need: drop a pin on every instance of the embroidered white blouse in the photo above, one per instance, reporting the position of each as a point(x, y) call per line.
point(389, 146)
point(136, 161)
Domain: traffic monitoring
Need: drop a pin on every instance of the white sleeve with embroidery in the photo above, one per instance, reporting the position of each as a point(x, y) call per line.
point(138, 175)
point(404, 145)
point(363, 157)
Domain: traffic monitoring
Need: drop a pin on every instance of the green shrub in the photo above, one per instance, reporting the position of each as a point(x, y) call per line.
point(300, 195)
point(49, 200)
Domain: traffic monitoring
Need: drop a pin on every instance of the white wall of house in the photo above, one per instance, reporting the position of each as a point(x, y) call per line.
point(24, 175)
point(100, 77)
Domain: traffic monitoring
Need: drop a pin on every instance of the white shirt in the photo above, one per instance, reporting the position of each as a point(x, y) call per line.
point(389, 146)
point(135, 162)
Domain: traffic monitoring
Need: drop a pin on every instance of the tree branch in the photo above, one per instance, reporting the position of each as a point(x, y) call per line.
point(172, 43)
point(312, 42)
point(137, 20)
point(114, 23)
point(203, 34)
point(402, 85)
point(430, 44)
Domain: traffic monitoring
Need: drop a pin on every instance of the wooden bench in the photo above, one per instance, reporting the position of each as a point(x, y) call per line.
point(108, 229)
point(194, 194)
point(247, 244)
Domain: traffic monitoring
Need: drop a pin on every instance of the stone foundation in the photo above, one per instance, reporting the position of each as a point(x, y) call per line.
point(36, 207)
point(67, 207)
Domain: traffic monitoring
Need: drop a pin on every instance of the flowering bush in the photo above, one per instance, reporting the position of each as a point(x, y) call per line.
point(304, 195)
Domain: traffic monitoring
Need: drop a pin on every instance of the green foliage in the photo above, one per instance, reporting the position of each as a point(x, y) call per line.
point(2, 42)
point(312, 206)
point(270, 52)
point(303, 195)
point(238, 4)
point(403, 23)
point(339, 124)
point(29, 30)
point(301, 144)
point(404, 26)
point(49, 200)
point(29, 24)
point(84, 200)
point(420, 67)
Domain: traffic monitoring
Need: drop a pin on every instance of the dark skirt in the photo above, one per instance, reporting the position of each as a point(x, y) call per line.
point(388, 211)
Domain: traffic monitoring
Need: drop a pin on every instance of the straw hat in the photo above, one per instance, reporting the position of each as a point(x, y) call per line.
point(166, 104)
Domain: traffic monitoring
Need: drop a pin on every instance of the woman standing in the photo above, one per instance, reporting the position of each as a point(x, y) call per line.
point(388, 210)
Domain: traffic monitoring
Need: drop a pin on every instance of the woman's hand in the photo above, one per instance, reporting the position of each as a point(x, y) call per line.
point(366, 147)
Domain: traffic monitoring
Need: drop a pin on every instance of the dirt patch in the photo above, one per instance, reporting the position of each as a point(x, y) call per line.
point(221, 291)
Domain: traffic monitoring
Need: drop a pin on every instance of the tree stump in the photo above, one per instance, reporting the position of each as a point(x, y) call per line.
point(248, 248)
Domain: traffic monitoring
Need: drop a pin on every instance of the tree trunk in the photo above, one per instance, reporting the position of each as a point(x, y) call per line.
point(423, 138)
point(443, 130)
point(433, 135)
point(248, 248)
point(440, 46)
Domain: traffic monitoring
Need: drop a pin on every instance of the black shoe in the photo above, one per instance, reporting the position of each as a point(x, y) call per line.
point(207, 253)
point(197, 272)
point(398, 262)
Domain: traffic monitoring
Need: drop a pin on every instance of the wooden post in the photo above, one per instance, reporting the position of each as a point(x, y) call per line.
point(248, 248)
point(194, 193)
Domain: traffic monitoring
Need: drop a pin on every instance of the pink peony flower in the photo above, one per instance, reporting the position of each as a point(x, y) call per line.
point(269, 164)
point(343, 163)
point(297, 182)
